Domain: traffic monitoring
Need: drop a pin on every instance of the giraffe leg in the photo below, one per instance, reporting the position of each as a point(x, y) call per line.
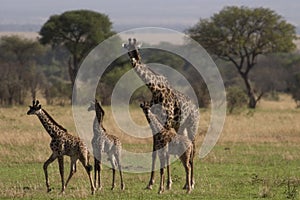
point(61, 171)
point(95, 172)
point(72, 169)
point(192, 131)
point(97, 178)
point(192, 176)
point(113, 179)
point(188, 176)
point(169, 182)
point(187, 162)
point(151, 181)
point(120, 171)
point(85, 161)
point(45, 167)
point(113, 165)
point(162, 177)
point(192, 167)
point(99, 172)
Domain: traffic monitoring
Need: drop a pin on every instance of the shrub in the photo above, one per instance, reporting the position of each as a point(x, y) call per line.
point(236, 98)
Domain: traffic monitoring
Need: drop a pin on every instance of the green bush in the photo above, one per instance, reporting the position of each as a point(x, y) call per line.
point(236, 98)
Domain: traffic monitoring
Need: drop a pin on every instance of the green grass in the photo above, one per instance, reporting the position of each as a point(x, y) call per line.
point(257, 157)
point(231, 171)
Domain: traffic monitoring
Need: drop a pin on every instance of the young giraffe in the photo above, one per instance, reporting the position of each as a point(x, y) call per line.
point(168, 142)
point(177, 109)
point(103, 142)
point(95, 146)
point(62, 144)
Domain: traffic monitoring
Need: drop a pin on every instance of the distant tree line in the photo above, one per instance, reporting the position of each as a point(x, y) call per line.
point(29, 68)
point(252, 65)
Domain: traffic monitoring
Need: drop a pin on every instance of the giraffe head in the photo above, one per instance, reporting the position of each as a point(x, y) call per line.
point(133, 50)
point(36, 106)
point(92, 105)
point(95, 105)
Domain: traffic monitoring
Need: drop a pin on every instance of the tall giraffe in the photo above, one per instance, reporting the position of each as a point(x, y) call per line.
point(103, 142)
point(177, 110)
point(168, 142)
point(62, 143)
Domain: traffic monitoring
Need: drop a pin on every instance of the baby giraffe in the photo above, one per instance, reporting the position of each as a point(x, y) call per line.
point(62, 144)
point(169, 143)
point(103, 142)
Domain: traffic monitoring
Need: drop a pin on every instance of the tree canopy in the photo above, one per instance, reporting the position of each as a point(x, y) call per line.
point(240, 35)
point(78, 31)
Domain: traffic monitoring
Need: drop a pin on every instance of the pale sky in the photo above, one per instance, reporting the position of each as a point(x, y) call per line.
point(137, 13)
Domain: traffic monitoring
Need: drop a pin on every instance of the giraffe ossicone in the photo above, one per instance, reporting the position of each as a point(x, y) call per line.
point(133, 50)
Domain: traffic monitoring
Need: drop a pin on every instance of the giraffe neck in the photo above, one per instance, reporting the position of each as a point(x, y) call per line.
point(97, 128)
point(154, 123)
point(99, 116)
point(51, 126)
point(155, 82)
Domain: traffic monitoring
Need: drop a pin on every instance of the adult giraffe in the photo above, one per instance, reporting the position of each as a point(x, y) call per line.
point(177, 110)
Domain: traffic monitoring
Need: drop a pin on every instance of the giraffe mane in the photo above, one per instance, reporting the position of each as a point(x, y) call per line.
point(99, 104)
point(49, 116)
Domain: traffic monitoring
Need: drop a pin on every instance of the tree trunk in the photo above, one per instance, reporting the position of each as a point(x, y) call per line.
point(252, 100)
point(73, 67)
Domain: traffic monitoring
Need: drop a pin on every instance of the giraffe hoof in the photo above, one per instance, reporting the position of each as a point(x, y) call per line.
point(49, 190)
point(193, 186)
point(169, 186)
point(185, 187)
point(149, 187)
point(123, 187)
point(94, 190)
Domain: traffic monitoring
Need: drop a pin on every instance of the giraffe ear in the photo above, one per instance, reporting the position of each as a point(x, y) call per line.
point(39, 106)
point(142, 105)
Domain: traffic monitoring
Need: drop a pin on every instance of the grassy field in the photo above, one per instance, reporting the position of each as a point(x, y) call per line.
point(257, 157)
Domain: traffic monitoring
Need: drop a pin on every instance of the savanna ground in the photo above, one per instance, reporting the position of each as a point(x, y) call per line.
point(257, 156)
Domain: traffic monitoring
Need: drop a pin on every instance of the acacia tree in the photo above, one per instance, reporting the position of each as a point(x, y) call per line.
point(78, 31)
point(240, 35)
